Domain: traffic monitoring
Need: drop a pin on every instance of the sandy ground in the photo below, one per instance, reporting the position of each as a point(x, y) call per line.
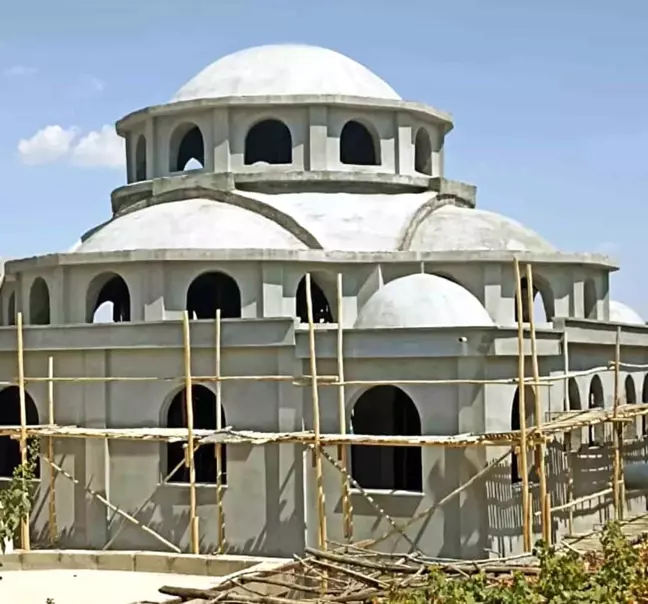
point(90, 586)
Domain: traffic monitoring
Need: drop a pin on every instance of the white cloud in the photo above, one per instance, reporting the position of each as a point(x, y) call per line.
point(47, 145)
point(19, 71)
point(100, 148)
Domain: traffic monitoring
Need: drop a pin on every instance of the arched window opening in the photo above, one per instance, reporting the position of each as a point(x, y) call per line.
point(39, 303)
point(322, 312)
point(204, 418)
point(10, 416)
point(268, 141)
point(11, 309)
point(574, 395)
point(357, 146)
point(543, 303)
point(108, 300)
point(140, 158)
point(187, 149)
point(423, 152)
point(529, 406)
point(386, 410)
point(644, 401)
point(630, 399)
point(596, 401)
point(590, 299)
point(211, 291)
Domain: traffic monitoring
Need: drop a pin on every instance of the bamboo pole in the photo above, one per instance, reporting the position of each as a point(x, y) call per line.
point(24, 522)
point(568, 437)
point(545, 503)
point(321, 514)
point(218, 449)
point(50, 454)
point(618, 431)
point(347, 508)
point(527, 526)
point(191, 462)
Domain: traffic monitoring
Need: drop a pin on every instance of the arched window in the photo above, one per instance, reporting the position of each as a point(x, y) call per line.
point(529, 406)
point(543, 302)
point(357, 146)
point(596, 401)
point(386, 410)
point(423, 152)
point(322, 312)
point(210, 291)
point(187, 150)
point(11, 309)
point(204, 418)
point(574, 404)
point(630, 399)
point(39, 303)
point(140, 158)
point(10, 416)
point(268, 141)
point(108, 300)
point(644, 400)
point(590, 299)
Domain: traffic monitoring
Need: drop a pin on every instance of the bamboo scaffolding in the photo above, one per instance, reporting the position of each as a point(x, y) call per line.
point(618, 432)
point(568, 438)
point(218, 447)
point(347, 508)
point(545, 504)
point(189, 451)
point(527, 527)
point(24, 522)
point(50, 455)
point(321, 512)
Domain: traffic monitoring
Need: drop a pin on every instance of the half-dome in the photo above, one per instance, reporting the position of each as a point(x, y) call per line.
point(423, 300)
point(285, 69)
point(622, 313)
point(453, 228)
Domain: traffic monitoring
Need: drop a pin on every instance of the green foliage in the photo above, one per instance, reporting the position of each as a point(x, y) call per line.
point(16, 497)
point(617, 575)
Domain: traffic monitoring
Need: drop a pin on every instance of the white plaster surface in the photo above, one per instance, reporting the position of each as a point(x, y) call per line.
point(422, 300)
point(622, 313)
point(463, 229)
point(285, 69)
point(91, 586)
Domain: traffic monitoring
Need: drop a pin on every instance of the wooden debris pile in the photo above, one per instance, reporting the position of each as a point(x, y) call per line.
point(346, 575)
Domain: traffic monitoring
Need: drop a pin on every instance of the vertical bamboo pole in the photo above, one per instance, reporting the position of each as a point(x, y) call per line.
point(545, 505)
point(347, 509)
point(321, 514)
point(568, 439)
point(618, 431)
point(24, 522)
point(189, 451)
point(527, 526)
point(219, 447)
point(50, 452)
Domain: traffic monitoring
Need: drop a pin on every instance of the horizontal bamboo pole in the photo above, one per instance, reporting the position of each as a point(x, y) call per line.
point(575, 502)
point(306, 379)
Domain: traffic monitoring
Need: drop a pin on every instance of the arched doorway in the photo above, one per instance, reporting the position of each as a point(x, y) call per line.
point(322, 312)
point(268, 141)
point(187, 150)
point(529, 406)
point(140, 158)
point(10, 457)
point(39, 302)
point(423, 152)
point(357, 146)
point(386, 410)
point(204, 418)
point(596, 400)
point(631, 399)
point(211, 291)
point(543, 302)
point(590, 299)
point(108, 300)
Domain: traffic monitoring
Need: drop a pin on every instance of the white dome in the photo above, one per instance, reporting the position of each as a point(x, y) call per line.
point(622, 313)
point(452, 228)
point(190, 224)
point(285, 69)
point(423, 300)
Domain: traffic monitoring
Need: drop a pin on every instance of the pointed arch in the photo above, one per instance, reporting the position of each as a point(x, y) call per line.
point(211, 291)
point(386, 410)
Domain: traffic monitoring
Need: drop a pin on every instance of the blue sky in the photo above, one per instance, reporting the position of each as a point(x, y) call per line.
point(550, 101)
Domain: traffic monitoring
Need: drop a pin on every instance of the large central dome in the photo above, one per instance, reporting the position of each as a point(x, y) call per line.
point(285, 69)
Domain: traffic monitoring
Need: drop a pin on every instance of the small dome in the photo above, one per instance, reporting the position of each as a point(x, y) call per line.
point(423, 300)
point(452, 228)
point(622, 313)
point(285, 69)
point(190, 224)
